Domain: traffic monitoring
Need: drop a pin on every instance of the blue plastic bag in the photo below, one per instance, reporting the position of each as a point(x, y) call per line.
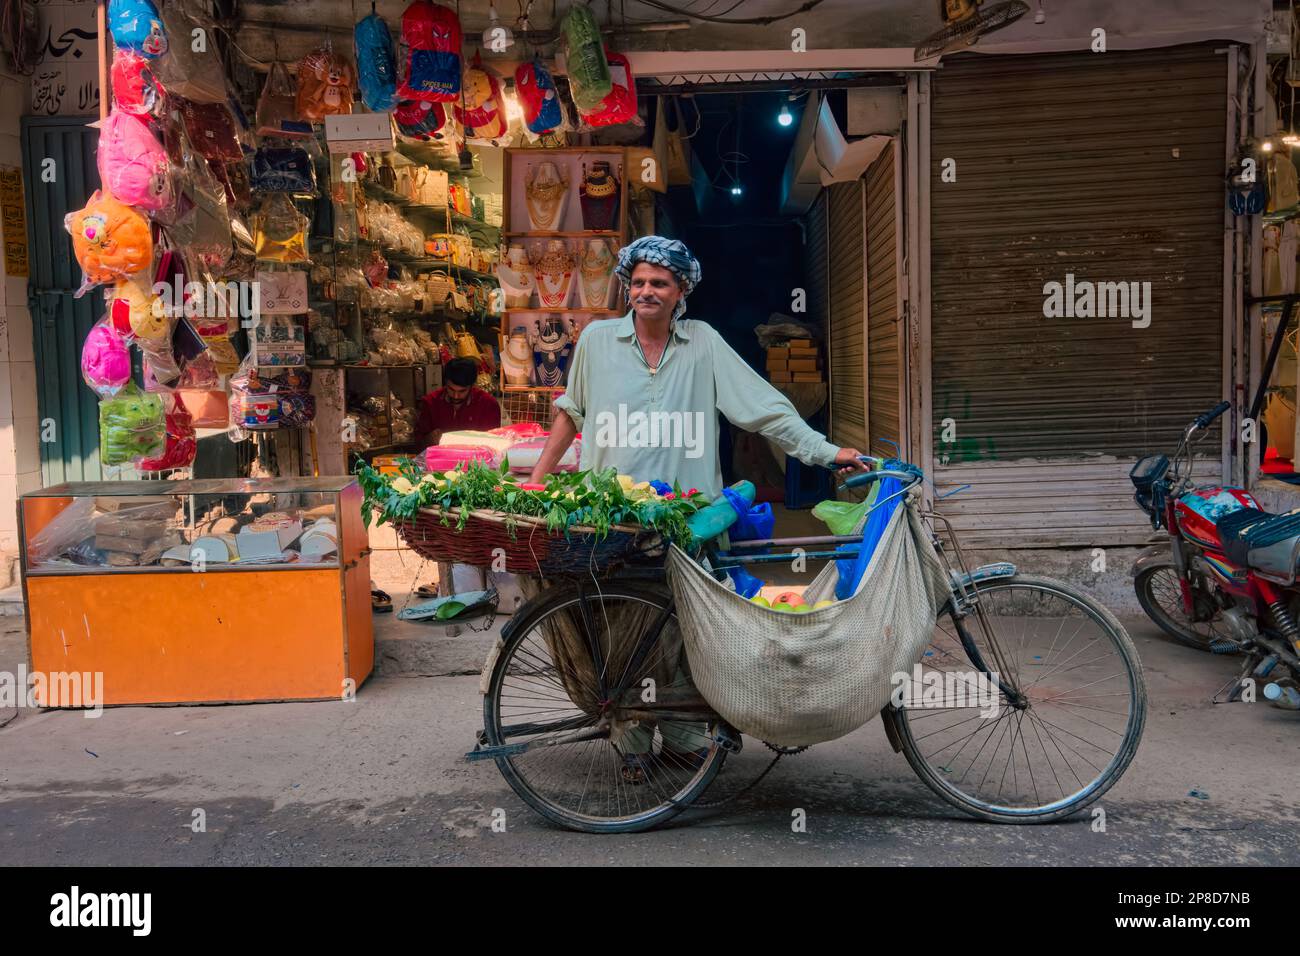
point(852, 569)
point(376, 64)
point(136, 25)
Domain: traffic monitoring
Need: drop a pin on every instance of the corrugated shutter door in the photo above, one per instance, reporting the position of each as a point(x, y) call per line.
point(1110, 168)
point(845, 347)
point(815, 264)
point(884, 355)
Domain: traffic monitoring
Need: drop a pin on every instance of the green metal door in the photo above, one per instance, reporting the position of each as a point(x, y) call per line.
point(69, 411)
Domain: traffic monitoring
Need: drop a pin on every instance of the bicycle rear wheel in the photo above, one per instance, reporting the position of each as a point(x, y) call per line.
point(1057, 726)
point(586, 687)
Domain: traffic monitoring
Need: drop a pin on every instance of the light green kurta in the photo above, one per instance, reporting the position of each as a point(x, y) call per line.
point(665, 426)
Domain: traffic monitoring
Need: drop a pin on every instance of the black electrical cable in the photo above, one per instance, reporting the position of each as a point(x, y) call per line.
point(751, 21)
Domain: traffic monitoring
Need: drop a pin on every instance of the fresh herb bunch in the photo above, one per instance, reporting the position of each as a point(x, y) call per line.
point(595, 499)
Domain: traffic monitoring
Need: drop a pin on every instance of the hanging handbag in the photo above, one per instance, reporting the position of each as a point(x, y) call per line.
point(283, 293)
point(283, 169)
point(676, 146)
point(277, 110)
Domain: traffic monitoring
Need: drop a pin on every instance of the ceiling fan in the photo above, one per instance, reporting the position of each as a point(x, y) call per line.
point(965, 21)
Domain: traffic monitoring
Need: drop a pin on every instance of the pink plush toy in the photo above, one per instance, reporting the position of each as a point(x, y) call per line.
point(105, 361)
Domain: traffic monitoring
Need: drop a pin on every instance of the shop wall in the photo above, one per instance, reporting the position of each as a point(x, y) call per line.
point(20, 468)
point(1072, 168)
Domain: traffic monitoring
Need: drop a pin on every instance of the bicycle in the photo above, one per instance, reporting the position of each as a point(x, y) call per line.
point(566, 700)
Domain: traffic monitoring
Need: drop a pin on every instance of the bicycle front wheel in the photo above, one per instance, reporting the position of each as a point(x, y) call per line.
point(584, 691)
point(1028, 707)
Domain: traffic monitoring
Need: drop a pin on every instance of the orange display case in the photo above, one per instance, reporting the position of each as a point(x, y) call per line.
point(258, 631)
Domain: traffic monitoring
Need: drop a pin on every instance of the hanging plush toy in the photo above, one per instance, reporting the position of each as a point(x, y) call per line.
point(105, 361)
point(376, 64)
point(136, 26)
point(432, 37)
point(484, 115)
point(134, 315)
point(539, 97)
point(179, 447)
point(132, 163)
point(589, 78)
point(325, 83)
point(620, 105)
point(134, 90)
point(111, 240)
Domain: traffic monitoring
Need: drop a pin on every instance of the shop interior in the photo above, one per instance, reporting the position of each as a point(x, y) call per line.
point(388, 233)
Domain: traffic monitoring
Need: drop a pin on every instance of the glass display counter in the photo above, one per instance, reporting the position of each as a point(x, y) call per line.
point(206, 591)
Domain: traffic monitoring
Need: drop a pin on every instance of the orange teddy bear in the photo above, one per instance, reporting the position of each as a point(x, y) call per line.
point(111, 240)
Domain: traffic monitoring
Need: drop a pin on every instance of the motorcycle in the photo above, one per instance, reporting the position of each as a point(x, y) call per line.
point(1226, 580)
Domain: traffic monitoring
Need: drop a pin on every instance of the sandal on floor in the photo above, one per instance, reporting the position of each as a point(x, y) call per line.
point(427, 591)
point(380, 602)
point(634, 768)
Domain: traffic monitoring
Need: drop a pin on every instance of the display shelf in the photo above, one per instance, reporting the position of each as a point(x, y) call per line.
point(564, 311)
point(580, 234)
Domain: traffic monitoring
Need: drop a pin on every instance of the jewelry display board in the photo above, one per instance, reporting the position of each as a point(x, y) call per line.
point(565, 221)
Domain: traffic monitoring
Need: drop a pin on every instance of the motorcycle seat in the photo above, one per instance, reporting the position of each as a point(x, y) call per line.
point(1260, 540)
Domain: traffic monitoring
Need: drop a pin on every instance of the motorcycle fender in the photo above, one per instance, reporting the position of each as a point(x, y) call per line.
point(1152, 557)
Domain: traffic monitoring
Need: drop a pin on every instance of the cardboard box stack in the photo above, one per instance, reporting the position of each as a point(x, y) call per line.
point(797, 360)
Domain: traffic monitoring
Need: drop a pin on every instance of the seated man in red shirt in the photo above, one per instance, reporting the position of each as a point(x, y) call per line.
point(457, 406)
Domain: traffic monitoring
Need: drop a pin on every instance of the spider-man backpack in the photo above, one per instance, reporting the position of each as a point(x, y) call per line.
point(539, 97)
point(431, 38)
point(376, 64)
point(619, 106)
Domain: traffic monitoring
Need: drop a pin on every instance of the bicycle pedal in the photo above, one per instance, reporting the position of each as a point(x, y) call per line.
point(728, 739)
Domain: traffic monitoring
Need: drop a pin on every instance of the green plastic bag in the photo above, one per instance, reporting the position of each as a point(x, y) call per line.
point(843, 517)
point(588, 69)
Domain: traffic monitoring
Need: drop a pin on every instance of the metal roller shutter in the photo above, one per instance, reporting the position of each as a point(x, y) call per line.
point(884, 344)
point(1108, 167)
point(846, 310)
point(815, 263)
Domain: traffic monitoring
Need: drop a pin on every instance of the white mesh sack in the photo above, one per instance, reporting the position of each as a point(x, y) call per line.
point(797, 679)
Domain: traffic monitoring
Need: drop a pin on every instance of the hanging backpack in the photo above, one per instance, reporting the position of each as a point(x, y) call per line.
point(539, 97)
point(589, 78)
point(420, 121)
point(620, 105)
point(484, 115)
point(137, 26)
point(432, 39)
point(376, 64)
point(133, 87)
point(132, 162)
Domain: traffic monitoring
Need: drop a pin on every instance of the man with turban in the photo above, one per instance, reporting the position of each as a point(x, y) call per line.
point(650, 361)
point(654, 362)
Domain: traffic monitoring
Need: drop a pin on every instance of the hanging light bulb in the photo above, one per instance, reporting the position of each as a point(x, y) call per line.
point(785, 117)
point(496, 37)
point(1266, 146)
point(736, 190)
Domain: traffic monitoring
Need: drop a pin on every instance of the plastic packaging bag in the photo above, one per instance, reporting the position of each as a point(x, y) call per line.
point(280, 230)
point(111, 240)
point(202, 233)
point(136, 26)
point(376, 64)
point(277, 107)
point(133, 85)
point(325, 83)
point(432, 38)
point(69, 528)
point(589, 77)
point(538, 96)
point(179, 445)
point(105, 360)
point(842, 517)
point(283, 169)
point(131, 425)
point(211, 130)
point(196, 74)
point(619, 106)
point(484, 115)
point(132, 163)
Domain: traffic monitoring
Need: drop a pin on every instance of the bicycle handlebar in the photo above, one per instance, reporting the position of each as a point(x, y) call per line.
point(856, 481)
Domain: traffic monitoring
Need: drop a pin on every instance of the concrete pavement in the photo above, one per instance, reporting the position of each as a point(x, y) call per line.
point(381, 781)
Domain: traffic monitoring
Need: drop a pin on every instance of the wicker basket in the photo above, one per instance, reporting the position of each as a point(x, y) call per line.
point(532, 549)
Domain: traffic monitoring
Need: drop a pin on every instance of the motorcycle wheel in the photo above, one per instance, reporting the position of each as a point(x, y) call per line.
point(1161, 597)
